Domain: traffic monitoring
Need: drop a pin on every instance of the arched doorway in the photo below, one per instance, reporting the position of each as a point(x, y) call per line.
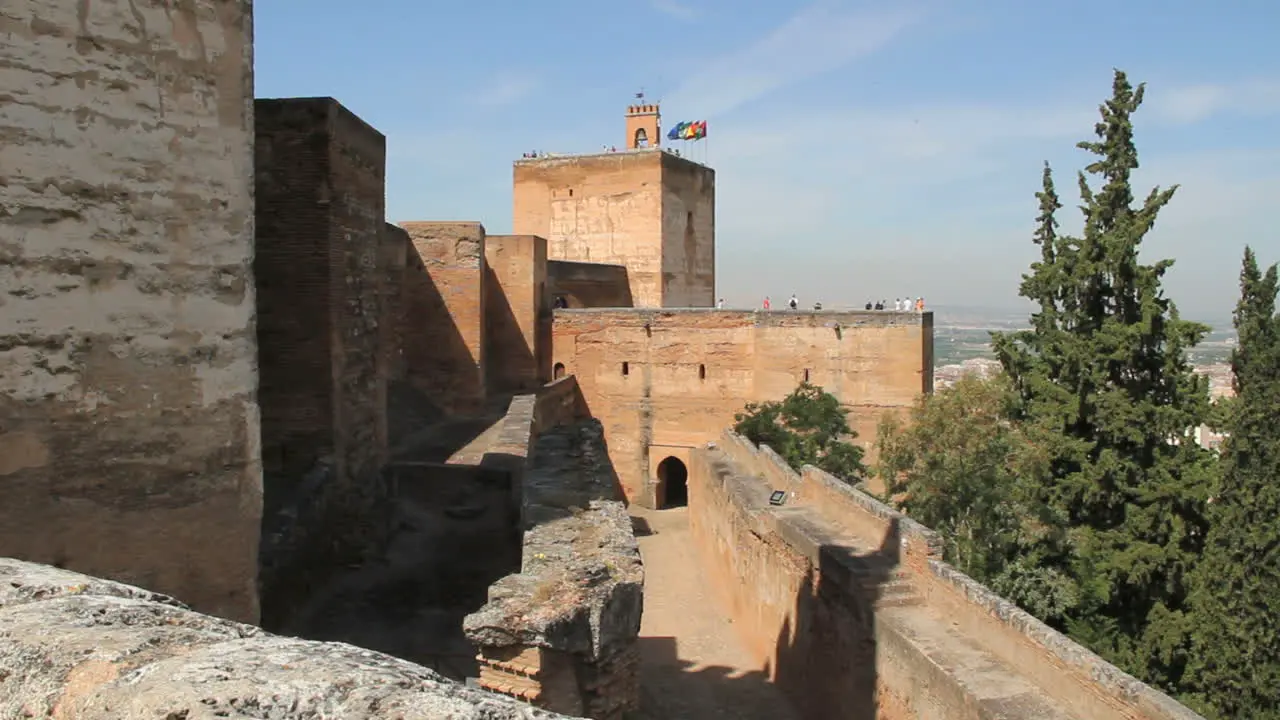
point(558, 371)
point(673, 483)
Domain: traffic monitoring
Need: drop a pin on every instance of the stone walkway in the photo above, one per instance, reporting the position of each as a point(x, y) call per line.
point(692, 664)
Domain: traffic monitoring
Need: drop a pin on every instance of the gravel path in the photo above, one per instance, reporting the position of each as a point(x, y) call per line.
point(693, 665)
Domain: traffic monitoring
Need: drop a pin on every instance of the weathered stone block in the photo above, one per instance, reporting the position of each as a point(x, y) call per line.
point(74, 646)
point(562, 632)
point(129, 435)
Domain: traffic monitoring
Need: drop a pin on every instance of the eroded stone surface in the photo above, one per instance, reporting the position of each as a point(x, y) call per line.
point(562, 632)
point(74, 646)
point(128, 426)
point(580, 588)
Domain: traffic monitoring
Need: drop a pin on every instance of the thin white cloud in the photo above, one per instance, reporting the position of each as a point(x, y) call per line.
point(675, 9)
point(507, 88)
point(819, 39)
point(1195, 103)
point(956, 182)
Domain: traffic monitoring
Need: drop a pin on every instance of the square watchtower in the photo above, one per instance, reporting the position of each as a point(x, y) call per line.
point(642, 207)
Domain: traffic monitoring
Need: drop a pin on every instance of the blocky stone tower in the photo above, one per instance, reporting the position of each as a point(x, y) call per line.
point(644, 208)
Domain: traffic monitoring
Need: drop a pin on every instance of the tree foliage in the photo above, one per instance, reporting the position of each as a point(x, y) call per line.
point(807, 427)
point(960, 467)
point(1237, 638)
point(1072, 484)
point(1102, 378)
point(1102, 382)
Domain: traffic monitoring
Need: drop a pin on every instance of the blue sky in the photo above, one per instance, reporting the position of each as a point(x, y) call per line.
point(862, 149)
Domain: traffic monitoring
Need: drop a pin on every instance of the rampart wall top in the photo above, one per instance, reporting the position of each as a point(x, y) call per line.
point(1067, 675)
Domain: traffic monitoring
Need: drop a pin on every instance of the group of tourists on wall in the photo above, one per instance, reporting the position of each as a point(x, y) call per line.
point(905, 304)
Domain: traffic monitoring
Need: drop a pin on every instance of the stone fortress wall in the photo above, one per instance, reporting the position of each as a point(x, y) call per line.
point(129, 428)
point(851, 610)
point(155, 310)
point(319, 269)
point(666, 381)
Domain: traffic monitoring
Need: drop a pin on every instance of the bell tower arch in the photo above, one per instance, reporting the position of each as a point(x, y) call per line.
point(644, 126)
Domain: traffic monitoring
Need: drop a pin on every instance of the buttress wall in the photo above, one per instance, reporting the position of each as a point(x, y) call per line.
point(443, 313)
point(515, 305)
point(321, 269)
point(129, 431)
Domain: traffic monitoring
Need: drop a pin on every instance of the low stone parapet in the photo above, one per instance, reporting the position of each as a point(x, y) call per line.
point(850, 605)
point(561, 633)
point(75, 646)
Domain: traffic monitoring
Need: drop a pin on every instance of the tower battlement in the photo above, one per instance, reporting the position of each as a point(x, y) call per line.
point(651, 212)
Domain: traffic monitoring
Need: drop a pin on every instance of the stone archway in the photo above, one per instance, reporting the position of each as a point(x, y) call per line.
point(673, 483)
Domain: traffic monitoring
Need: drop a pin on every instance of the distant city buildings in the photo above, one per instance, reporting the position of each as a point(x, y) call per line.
point(1219, 375)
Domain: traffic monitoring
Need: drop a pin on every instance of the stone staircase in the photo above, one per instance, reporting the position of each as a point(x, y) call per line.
point(960, 665)
point(846, 560)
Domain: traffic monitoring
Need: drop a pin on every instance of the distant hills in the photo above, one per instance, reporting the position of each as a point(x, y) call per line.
point(1011, 318)
point(963, 333)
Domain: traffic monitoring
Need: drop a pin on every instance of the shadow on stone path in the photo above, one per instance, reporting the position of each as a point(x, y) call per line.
point(693, 665)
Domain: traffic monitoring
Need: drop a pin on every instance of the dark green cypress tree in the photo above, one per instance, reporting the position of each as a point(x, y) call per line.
point(1237, 603)
point(1104, 380)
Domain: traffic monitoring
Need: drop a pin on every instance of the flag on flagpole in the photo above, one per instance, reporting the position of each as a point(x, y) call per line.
point(694, 130)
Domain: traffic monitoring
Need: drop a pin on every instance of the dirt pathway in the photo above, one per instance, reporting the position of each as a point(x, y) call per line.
point(692, 664)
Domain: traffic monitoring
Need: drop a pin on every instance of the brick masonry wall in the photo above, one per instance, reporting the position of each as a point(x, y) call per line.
point(320, 274)
point(357, 219)
point(395, 255)
point(515, 287)
point(589, 285)
point(292, 272)
point(128, 424)
point(663, 381)
point(444, 307)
